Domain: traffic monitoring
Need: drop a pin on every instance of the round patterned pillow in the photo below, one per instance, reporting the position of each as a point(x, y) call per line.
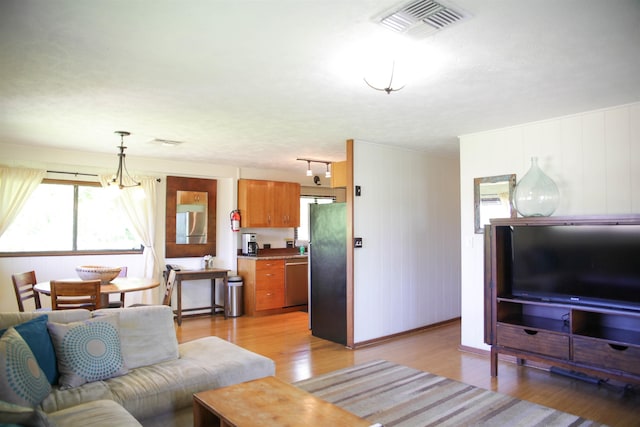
point(87, 351)
point(22, 382)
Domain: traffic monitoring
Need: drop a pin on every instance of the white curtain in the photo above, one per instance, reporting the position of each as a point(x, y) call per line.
point(139, 204)
point(16, 185)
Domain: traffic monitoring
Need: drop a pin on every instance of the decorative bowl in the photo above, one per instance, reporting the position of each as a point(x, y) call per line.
point(93, 272)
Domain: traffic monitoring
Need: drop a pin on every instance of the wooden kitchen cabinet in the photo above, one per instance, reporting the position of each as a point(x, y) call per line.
point(265, 286)
point(339, 174)
point(269, 284)
point(268, 203)
point(254, 203)
point(287, 203)
point(191, 198)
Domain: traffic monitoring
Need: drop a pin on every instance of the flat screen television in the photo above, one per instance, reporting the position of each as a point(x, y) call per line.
point(596, 265)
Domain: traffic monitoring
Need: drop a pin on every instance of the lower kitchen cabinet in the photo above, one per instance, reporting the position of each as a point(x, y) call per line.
point(265, 287)
point(269, 284)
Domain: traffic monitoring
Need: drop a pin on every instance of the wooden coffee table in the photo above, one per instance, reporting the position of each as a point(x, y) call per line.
point(267, 402)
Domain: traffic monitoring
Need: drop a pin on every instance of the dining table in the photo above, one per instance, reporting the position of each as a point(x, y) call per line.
point(116, 286)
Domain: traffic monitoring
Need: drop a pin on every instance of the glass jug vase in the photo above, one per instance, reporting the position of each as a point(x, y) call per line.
point(536, 194)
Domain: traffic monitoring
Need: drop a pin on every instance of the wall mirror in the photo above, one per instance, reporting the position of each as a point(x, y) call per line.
point(190, 224)
point(492, 197)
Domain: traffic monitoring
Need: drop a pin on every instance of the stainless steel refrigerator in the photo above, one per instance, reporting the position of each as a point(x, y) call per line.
point(191, 227)
point(328, 258)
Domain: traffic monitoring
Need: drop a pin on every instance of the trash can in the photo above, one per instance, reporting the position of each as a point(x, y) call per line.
point(235, 303)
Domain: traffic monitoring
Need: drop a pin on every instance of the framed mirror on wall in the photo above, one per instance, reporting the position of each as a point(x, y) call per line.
point(492, 196)
point(190, 224)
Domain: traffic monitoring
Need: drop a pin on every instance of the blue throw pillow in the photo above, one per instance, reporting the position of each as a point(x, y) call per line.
point(36, 335)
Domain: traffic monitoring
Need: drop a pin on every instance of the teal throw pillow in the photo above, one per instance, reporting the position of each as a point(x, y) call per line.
point(22, 382)
point(87, 351)
point(36, 335)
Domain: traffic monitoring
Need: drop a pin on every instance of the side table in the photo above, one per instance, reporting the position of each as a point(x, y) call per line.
point(207, 273)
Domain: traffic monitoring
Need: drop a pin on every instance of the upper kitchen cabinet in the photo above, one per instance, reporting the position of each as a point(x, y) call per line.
point(268, 203)
point(191, 198)
point(338, 174)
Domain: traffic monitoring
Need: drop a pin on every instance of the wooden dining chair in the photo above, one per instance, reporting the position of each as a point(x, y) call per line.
point(67, 294)
point(118, 304)
point(168, 290)
point(23, 284)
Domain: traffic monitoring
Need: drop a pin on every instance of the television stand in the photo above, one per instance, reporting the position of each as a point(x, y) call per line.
point(594, 340)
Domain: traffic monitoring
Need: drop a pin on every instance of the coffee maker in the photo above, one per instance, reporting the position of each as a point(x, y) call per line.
point(249, 244)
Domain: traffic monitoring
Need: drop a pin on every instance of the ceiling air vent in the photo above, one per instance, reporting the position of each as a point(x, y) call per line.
point(421, 17)
point(166, 142)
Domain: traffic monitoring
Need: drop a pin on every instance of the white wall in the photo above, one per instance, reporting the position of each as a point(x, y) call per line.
point(407, 274)
point(194, 292)
point(594, 158)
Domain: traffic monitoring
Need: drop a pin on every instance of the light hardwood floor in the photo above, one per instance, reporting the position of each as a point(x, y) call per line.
point(298, 355)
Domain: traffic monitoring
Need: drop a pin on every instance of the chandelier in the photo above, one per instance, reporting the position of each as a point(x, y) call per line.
point(120, 179)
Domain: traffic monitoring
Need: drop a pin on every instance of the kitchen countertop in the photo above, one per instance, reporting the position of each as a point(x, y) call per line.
point(273, 256)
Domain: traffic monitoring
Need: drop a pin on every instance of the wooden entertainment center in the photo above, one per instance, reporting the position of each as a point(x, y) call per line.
point(603, 342)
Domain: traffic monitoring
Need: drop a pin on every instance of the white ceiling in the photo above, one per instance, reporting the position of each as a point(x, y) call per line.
point(260, 83)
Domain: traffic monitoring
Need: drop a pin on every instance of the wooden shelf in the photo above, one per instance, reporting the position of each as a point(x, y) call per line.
point(538, 323)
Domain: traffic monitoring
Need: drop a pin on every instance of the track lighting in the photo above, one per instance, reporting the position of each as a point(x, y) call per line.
point(310, 172)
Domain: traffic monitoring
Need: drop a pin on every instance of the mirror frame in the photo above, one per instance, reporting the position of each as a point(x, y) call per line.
point(175, 184)
point(510, 179)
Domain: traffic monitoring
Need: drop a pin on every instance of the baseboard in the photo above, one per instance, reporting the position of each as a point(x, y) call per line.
point(386, 338)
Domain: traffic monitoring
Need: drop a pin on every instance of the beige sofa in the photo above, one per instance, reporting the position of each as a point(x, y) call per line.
point(161, 375)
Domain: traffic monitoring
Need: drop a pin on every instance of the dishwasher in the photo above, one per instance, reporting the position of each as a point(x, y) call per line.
point(296, 275)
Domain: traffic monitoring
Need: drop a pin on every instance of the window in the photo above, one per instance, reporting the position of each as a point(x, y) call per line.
point(302, 233)
point(70, 217)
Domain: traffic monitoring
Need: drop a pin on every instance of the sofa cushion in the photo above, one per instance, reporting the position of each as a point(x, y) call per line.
point(61, 399)
point(35, 334)
point(99, 413)
point(87, 351)
point(20, 415)
point(22, 381)
point(204, 364)
point(147, 334)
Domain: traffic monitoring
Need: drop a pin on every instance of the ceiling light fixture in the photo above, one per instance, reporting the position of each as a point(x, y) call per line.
point(120, 179)
point(389, 87)
point(310, 172)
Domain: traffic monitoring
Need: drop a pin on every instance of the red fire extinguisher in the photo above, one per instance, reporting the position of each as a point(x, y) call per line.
point(235, 220)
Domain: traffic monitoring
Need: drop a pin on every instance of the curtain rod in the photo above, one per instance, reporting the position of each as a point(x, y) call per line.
point(84, 174)
point(73, 173)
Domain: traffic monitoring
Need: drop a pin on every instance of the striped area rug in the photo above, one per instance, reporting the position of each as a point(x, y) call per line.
point(395, 395)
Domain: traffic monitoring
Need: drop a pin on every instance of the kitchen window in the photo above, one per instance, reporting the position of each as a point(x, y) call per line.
point(67, 217)
point(302, 232)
